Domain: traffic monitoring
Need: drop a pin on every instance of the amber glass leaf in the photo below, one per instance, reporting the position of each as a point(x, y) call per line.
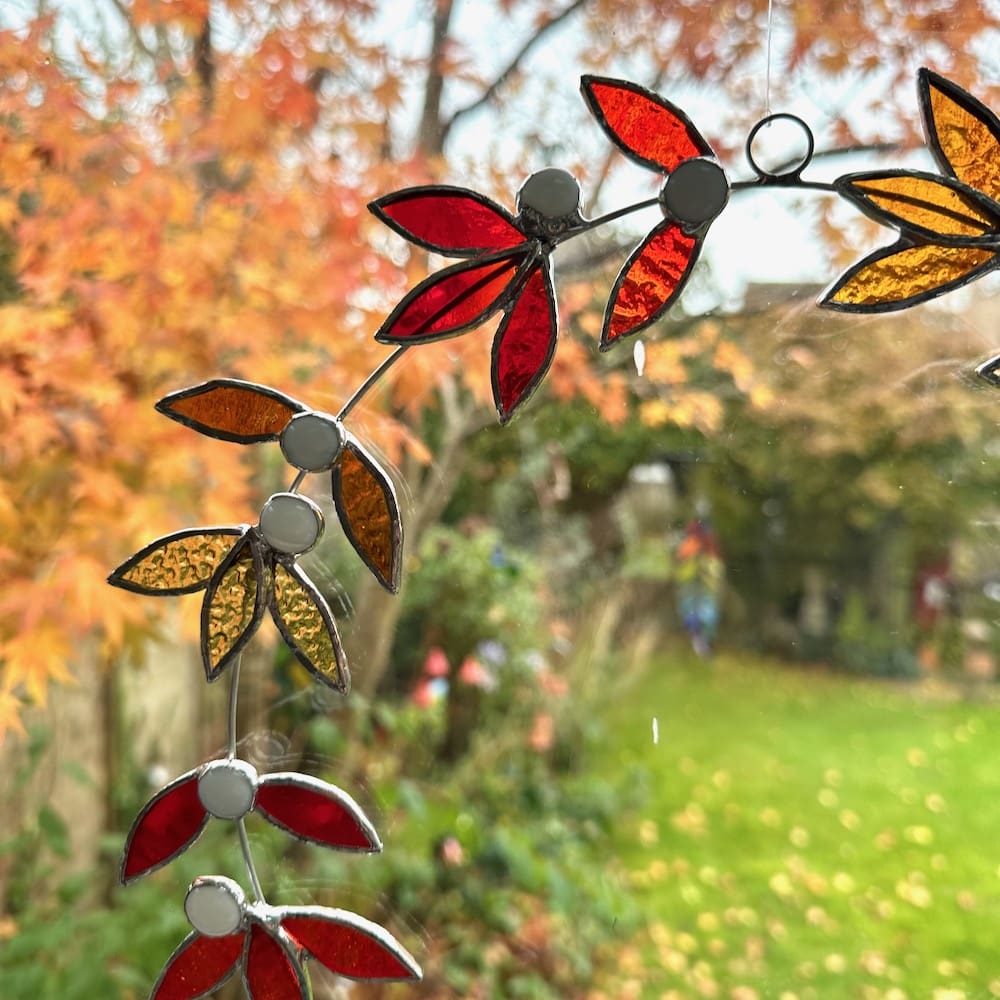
point(644, 126)
point(366, 504)
point(932, 206)
point(903, 275)
point(181, 563)
point(524, 344)
point(963, 133)
point(453, 221)
point(233, 606)
point(649, 282)
point(198, 966)
point(306, 624)
point(231, 410)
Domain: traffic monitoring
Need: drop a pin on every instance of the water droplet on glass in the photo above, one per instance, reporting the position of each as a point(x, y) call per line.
point(639, 356)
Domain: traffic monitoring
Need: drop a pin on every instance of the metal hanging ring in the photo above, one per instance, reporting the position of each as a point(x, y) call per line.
point(787, 173)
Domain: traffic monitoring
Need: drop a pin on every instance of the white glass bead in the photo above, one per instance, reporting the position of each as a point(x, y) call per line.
point(696, 192)
point(291, 523)
point(312, 441)
point(226, 788)
point(215, 905)
point(552, 193)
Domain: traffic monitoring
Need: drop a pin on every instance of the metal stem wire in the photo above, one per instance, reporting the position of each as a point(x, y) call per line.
point(767, 72)
point(248, 861)
point(234, 686)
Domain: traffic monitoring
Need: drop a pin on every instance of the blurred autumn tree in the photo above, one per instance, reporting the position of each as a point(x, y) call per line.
point(869, 453)
point(182, 195)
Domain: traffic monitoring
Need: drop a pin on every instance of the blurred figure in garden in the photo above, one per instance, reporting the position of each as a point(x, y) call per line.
point(699, 574)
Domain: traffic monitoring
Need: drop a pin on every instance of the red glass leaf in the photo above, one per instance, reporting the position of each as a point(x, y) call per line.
point(524, 344)
point(198, 967)
point(644, 126)
point(369, 514)
point(349, 945)
point(448, 220)
point(231, 410)
point(167, 825)
point(316, 811)
point(650, 281)
point(452, 301)
point(269, 971)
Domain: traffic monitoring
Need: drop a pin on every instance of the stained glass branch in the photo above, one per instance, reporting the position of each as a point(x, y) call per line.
point(603, 220)
point(947, 228)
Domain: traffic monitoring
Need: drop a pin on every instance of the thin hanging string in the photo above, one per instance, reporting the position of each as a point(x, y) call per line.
point(767, 75)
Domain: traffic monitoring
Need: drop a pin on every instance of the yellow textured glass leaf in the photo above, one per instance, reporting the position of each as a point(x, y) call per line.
point(368, 514)
point(184, 563)
point(927, 203)
point(968, 143)
point(231, 608)
point(302, 621)
point(915, 272)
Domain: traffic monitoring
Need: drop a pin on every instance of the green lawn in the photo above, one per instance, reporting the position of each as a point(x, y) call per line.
point(806, 834)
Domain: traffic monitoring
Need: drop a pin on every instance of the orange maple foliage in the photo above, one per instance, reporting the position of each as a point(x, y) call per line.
point(170, 235)
point(194, 207)
point(196, 211)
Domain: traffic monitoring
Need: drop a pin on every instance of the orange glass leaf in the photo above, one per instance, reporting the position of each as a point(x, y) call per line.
point(902, 275)
point(233, 606)
point(231, 410)
point(650, 281)
point(932, 206)
point(366, 504)
point(644, 126)
point(181, 563)
point(963, 133)
point(306, 624)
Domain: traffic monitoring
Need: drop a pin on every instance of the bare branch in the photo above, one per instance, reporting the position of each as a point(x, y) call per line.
point(432, 131)
point(204, 61)
point(137, 39)
point(512, 67)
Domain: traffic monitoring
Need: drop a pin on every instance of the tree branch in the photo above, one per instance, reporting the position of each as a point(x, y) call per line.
point(512, 67)
point(137, 39)
point(432, 131)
